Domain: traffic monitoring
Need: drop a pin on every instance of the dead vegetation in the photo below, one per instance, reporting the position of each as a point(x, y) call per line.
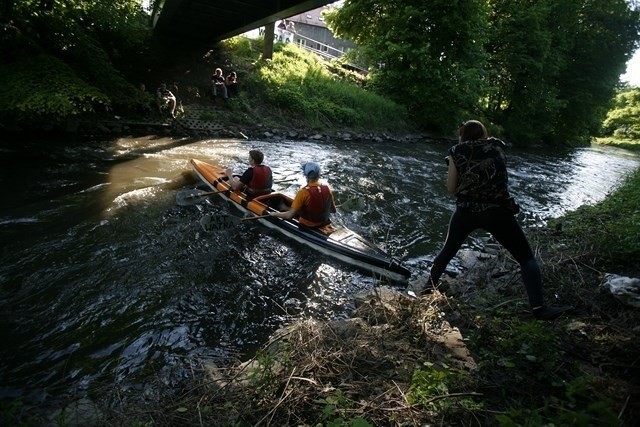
point(469, 354)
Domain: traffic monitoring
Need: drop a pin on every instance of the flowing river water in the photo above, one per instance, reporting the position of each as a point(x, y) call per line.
point(105, 280)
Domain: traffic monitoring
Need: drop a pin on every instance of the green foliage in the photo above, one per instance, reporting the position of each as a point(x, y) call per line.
point(548, 77)
point(582, 405)
point(262, 376)
point(623, 119)
point(31, 95)
point(334, 412)
point(425, 55)
point(543, 71)
point(523, 52)
point(613, 225)
point(524, 349)
point(430, 386)
point(524, 364)
point(605, 36)
point(297, 81)
point(66, 51)
point(244, 51)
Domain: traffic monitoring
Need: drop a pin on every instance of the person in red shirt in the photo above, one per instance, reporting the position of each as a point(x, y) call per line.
point(256, 180)
point(313, 203)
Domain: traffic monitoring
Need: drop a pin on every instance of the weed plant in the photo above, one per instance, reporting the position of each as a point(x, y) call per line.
point(302, 88)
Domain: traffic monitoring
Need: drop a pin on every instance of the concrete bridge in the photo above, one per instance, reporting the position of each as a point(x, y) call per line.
point(207, 21)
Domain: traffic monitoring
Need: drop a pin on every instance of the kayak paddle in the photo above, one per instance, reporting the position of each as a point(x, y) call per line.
point(211, 222)
point(193, 197)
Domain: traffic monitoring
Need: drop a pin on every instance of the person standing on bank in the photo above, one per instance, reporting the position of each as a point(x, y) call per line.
point(256, 180)
point(477, 175)
point(313, 203)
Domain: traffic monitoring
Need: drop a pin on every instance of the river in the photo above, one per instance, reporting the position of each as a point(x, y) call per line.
point(106, 281)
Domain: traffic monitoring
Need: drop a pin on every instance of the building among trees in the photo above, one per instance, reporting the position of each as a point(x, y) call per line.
point(312, 33)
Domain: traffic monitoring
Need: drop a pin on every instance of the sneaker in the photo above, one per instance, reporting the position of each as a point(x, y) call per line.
point(550, 312)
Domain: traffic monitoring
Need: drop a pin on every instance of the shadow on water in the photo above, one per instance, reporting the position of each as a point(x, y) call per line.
point(104, 279)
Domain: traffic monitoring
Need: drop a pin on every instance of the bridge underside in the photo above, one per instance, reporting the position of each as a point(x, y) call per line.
point(207, 21)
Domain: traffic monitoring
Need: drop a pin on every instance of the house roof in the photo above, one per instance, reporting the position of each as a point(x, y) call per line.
point(312, 17)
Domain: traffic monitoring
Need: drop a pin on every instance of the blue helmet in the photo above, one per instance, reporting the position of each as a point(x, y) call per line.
point(311, 170)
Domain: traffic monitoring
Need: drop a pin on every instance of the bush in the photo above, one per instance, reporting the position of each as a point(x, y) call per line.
point(300, 83)
point(30, 95)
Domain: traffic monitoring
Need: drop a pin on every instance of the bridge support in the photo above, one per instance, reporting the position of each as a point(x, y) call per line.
point(267, 51)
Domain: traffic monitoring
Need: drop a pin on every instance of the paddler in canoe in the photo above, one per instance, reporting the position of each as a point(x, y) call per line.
point(256, 180)
point(313, 203)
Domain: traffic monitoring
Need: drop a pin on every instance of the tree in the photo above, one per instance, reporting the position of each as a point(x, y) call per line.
point(525, 55)
point(553, 66)
point(541, 71)
point(60, 58)
point(426, 55)
point(606, 35)
point(623, 120)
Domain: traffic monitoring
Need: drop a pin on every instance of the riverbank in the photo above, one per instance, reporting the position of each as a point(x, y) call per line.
point(469, 353)
point(207, 119)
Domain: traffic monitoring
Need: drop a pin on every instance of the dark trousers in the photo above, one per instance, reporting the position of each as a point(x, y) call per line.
point(505, 229)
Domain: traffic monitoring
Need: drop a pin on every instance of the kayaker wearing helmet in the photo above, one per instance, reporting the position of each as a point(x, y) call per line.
point(313, 202)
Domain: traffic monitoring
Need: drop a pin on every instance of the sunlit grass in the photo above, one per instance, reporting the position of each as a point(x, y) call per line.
point(630, 144)
point(302, 85)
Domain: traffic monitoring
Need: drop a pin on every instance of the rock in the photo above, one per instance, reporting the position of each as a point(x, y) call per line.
point(624, 289)
point(470, 258)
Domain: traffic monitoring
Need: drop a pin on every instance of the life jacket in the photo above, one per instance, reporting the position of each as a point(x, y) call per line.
point(316, 212)
point(260, 181)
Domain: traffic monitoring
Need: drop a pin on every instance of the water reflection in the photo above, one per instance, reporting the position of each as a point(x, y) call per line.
point(105, 279)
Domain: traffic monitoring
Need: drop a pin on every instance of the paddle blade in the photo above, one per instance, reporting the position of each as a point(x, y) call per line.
point(212, 222)
point(191, 197)
point(353, 204)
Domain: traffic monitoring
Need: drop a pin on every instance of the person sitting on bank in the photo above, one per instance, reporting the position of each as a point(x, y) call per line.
point(165, 98)
point(256, 180)
point(313, 203)
point(232, 84)
point(218, 83)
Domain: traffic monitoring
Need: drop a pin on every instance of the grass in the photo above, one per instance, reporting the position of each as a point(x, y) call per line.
point(293, 89)
point(629, 144)
point(611, 227)
point(300, 83)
